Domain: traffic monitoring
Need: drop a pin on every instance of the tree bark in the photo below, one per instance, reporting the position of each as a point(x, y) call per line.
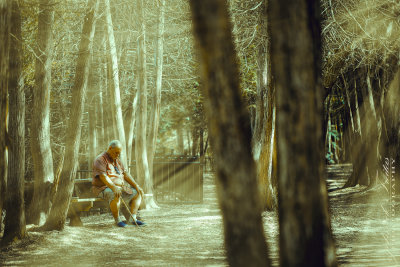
point(92, 110)
point(391, 135)
point(116, 95)
point(142, 165)
point(230, 135)
point(15, 227)
point(5, 14)
point(156, 91)
point(264, 128)
point(59, 209)
point(132, 122)
point(40, 127)
point(305, 231)
point(179, 140)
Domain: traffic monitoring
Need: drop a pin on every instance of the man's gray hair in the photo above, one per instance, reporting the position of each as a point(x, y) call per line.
point(115, 143)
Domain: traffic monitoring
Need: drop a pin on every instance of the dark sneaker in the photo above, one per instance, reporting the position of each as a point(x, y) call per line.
point(139, 223)
point(121, 224)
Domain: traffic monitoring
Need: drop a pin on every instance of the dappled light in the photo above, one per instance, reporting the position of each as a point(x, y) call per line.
point(200, 133)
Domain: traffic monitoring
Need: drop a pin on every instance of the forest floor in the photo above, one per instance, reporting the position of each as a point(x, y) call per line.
point(192, 235)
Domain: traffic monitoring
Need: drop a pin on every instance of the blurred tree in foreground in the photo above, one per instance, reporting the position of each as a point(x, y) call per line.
point(230, 135)
point(305, 232)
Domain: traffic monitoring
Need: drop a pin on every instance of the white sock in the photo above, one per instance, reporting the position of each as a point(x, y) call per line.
point(117, 220)
point(130, 218)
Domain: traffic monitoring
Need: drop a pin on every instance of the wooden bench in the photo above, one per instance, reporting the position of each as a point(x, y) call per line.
point(83, 200)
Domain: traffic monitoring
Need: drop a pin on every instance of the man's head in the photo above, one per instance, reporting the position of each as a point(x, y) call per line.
point(114, 149)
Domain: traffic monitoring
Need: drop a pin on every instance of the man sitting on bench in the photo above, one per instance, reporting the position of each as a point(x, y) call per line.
point(109, 182)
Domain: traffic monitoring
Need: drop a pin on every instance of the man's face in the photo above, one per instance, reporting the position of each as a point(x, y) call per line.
point(114, 152)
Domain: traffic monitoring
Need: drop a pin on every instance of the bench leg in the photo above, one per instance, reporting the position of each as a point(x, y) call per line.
point(74, 218)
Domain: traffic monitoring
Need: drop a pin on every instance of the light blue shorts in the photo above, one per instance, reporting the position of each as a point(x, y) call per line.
point(108, 195)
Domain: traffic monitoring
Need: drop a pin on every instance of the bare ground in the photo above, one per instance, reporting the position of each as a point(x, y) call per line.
point(192, 235)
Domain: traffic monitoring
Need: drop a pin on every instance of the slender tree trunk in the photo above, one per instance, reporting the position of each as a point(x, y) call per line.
point(15, 227)
point(260, 122)
point(179, 140)
point(305, 231)
point(230, 133)
point(142, 165)
point(116, 95)
point(92, 108)
point(108, 113)
point(59, 209)
point(156, 91)
point(195, 140)
point(5, 14)
point(100, 116)
point(99, 40)
point(372, 134)
point(263, 134)
point(131, 132)
point(40, 127)
point(266, 170)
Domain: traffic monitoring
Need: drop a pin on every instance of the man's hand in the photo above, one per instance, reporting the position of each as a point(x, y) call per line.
point(117, 191)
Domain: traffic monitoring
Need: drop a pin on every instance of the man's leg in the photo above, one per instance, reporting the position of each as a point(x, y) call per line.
point(114, 207)
point(134, 201)
point(114, 202)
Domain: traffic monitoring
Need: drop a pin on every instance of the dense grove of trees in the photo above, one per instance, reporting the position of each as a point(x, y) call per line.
point(280, 88)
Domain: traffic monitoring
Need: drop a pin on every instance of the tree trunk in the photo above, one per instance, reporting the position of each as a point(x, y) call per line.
point(359, 146)
point(266, 169)
point(305, 231)
point(116, 95)
point(15, 227)
point(179, 140)
point(5, 13)
point(142, 166)
point(195, 141)
point(40, 127)
point(391, 136)
point(59, 209)
point(156, 91)
point(131, 132)
point(263, 134)
point(230, 135)
point(92, 110)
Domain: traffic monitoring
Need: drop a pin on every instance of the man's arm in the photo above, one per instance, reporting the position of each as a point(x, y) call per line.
point(107, 181)
point(132, 182)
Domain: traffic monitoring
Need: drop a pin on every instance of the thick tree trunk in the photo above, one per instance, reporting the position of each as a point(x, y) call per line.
point(156, 91)
point(358, 150)
point(142, 166)
point(230, 133)
point(40, 126)
point(116, 95)
point(5, 13)
point(391, 135)
point(305, 231)
point(59, 209)
point(15, 227)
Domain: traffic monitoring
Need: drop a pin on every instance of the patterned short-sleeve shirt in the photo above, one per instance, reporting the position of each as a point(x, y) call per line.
point(114, 169)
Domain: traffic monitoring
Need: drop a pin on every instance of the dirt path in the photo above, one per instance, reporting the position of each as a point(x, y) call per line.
point(191, 235)
point(176, 235)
